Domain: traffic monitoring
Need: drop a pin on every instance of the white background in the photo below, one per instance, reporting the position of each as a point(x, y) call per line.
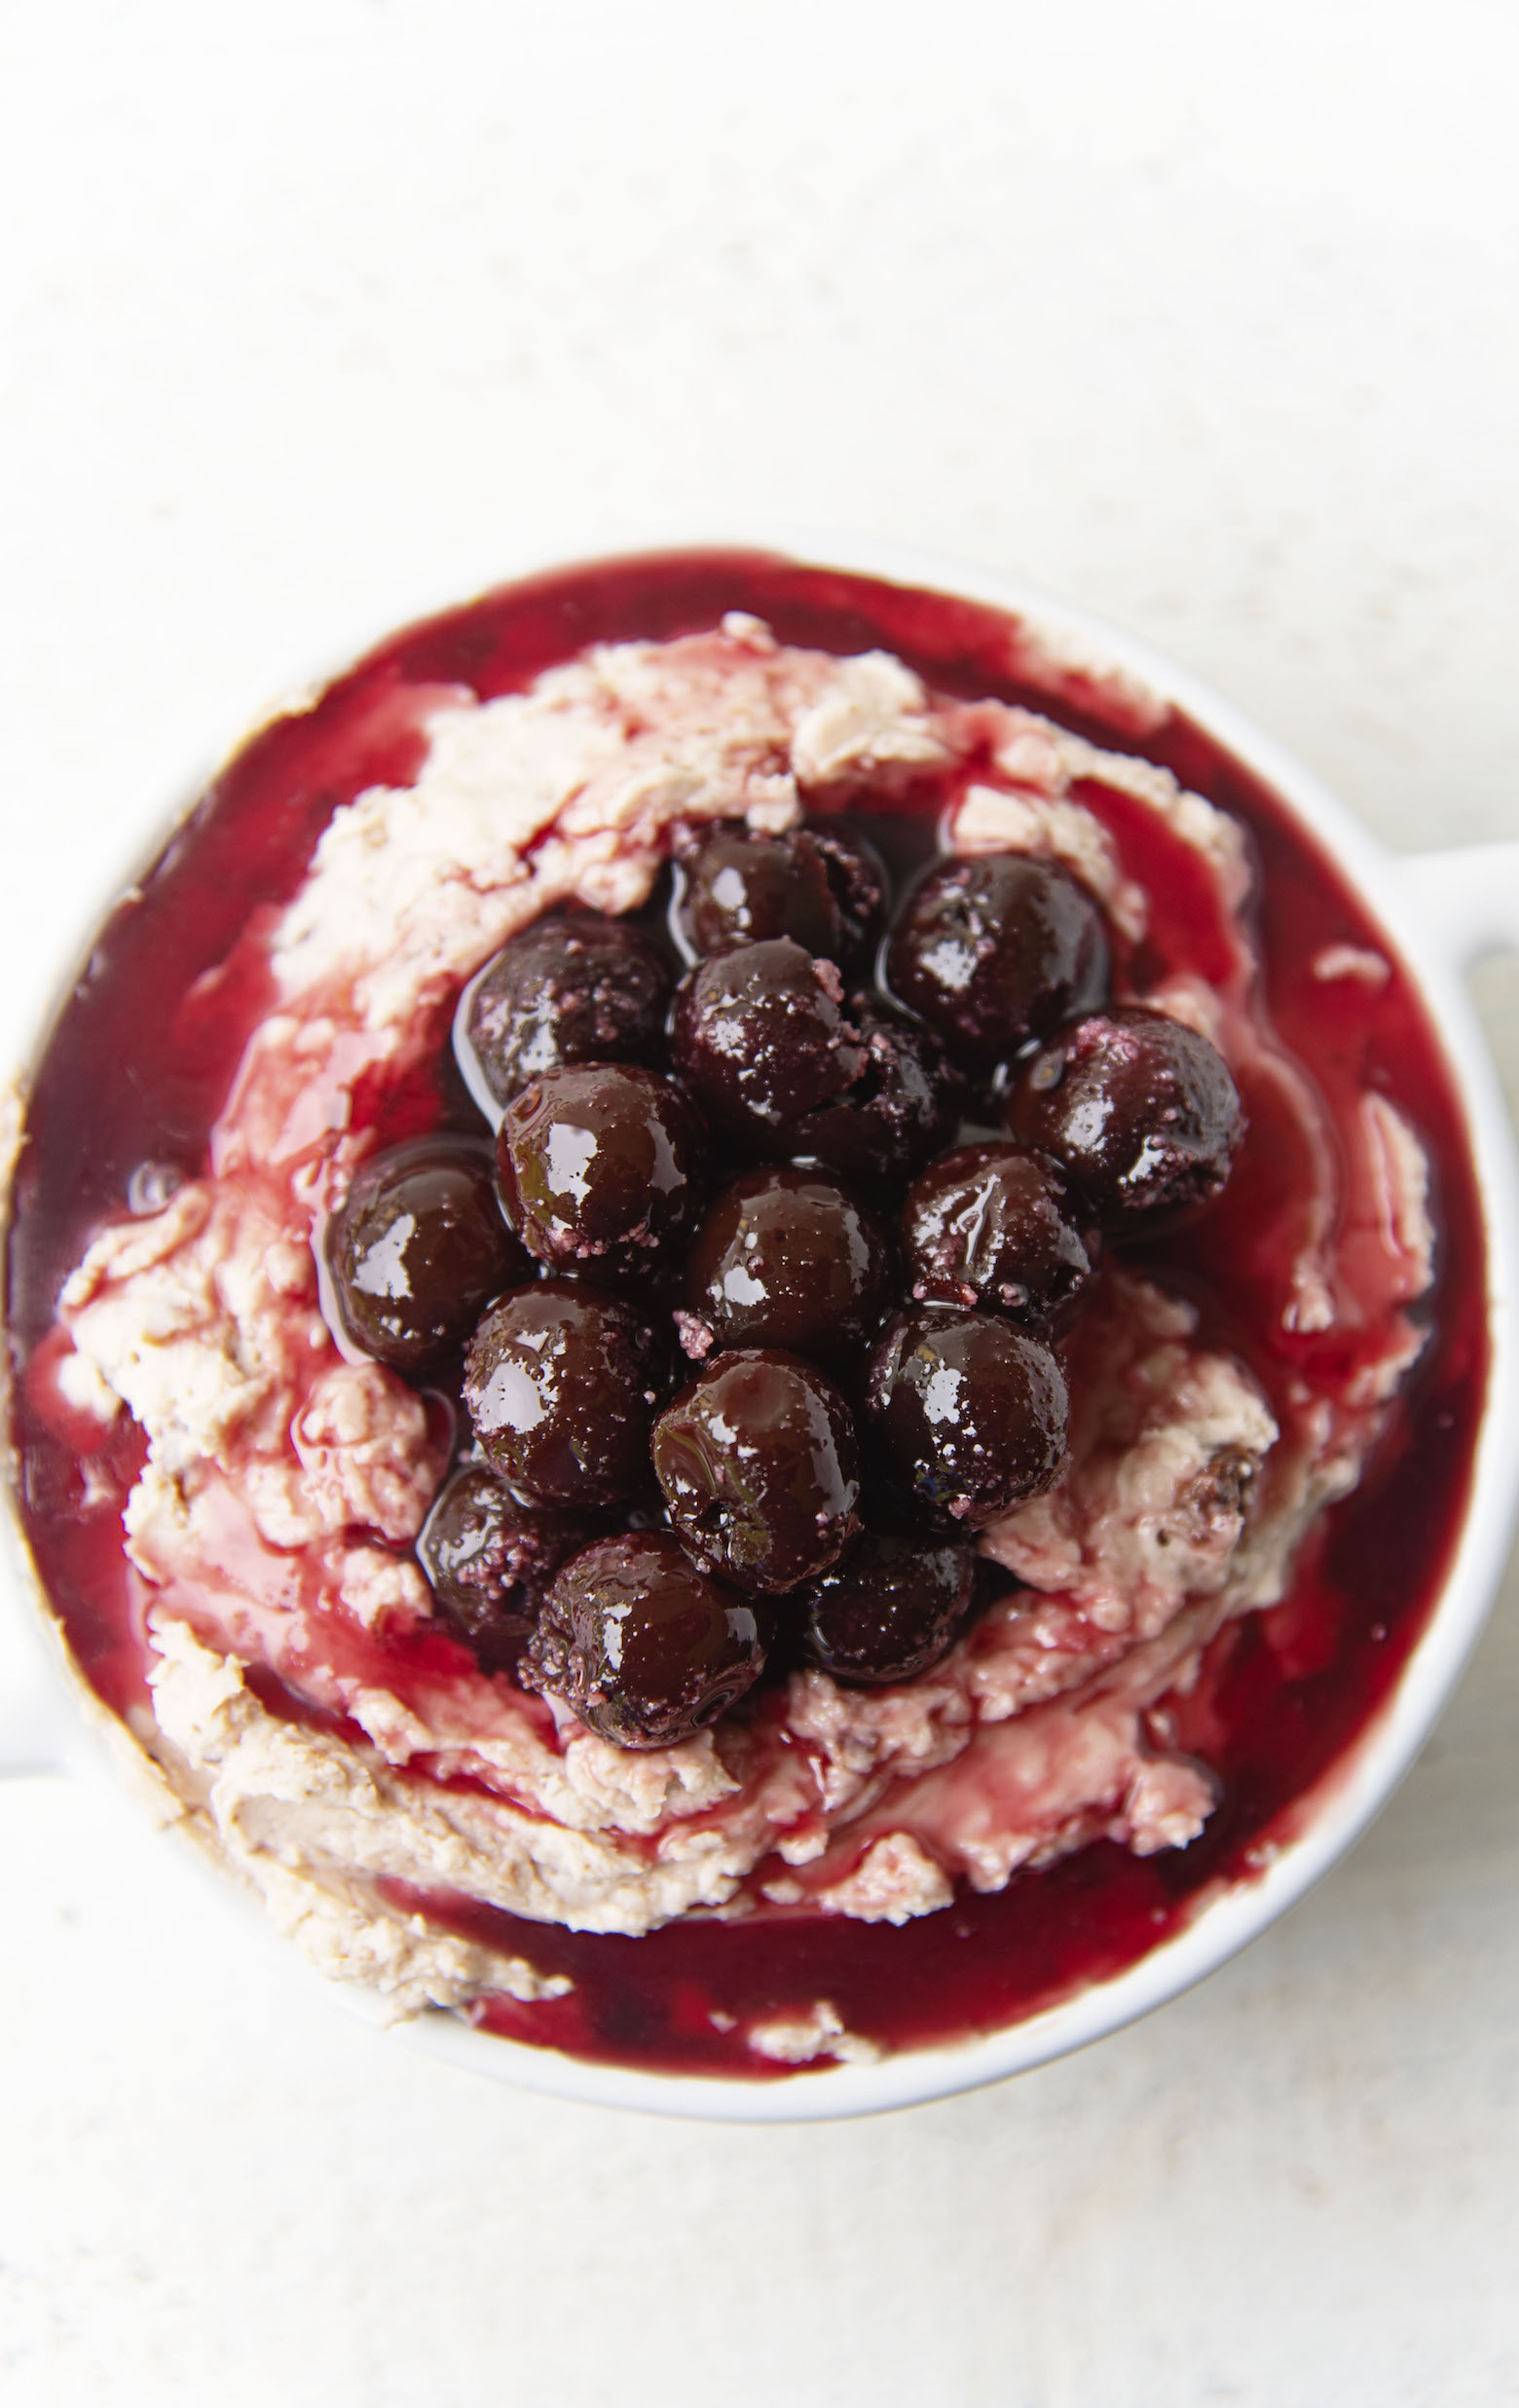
point(317, 313)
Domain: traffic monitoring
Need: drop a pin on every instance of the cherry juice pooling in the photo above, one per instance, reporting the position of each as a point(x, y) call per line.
point(1281, 1693)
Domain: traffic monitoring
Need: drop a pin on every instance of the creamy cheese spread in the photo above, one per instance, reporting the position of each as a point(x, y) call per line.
point(284, 1483)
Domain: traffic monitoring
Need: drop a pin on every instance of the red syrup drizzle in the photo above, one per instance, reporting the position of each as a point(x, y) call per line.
point(179, 966)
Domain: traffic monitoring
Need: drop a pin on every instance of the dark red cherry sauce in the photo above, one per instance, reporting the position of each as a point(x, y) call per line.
point(138, 1065)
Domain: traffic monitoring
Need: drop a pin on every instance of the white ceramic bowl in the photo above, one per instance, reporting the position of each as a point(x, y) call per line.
point(1440, 911)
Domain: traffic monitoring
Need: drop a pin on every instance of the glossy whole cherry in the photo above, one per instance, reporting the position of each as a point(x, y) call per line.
point(1002, 1227)
point(418, 1248)
point(787, 1258)
point(643, 1646)
point(759, 1037)
point(816, 884)
point(561, 1384)
point(889, 1609)
point(1140, 1110)
point(995, 949)
point(489, 1558)
point(759, 1467)
point(573, 987)
point(598, 1169)
point(968, 1415)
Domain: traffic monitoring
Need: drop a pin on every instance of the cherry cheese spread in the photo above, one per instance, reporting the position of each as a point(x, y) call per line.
point(617, 1683)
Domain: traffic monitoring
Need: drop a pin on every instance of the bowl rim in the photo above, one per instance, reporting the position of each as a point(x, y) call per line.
point(1338, 1808)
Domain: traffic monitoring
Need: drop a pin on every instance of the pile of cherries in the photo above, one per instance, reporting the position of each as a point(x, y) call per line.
point(747, 1355)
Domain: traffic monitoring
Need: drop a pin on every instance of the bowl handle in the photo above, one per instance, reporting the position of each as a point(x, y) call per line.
point(1467, 898)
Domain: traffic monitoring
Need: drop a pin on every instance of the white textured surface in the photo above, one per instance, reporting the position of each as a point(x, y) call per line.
point(319, 315)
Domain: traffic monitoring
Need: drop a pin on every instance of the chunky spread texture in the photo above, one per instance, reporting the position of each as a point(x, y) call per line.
point(311, 1713)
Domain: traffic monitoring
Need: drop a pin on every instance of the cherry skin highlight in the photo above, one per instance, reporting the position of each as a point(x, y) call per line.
point(561, 1384)
point(759, 1467)
point(997, 949)
point(1140, 1110)
point(759, 1038)
point(573, 987)
point(967, 1412)
point(787, 1258)
point(814, 884)
point(598, 1169)
point(1001, 1227)
point(418, 1248)
point(645, 1649)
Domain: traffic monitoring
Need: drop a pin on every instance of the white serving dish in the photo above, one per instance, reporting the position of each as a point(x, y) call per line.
point(1440, 911)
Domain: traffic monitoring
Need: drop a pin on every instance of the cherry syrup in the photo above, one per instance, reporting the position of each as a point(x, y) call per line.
point(138, 1067)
